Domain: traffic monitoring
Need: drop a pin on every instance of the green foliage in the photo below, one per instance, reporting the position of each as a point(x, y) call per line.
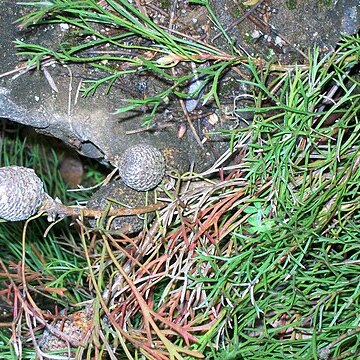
point(17, 150)
point(290, 285)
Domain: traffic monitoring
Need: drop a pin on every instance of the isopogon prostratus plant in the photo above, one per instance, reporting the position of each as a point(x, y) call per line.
point(22, 193)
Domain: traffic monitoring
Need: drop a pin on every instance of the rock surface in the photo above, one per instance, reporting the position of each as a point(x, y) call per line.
point(285, 30)
point(48, 99)
point(119, 195)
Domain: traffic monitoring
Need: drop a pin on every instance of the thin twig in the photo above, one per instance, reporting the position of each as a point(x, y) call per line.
point(63, 210)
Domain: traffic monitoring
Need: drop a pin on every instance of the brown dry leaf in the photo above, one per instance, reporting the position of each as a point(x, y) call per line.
point(58, 291)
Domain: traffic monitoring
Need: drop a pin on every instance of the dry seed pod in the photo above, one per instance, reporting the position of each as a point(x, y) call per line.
point(142, 167)
point(21, 193)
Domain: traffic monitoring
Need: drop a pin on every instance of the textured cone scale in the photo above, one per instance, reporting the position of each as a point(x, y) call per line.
point(142, 167)
point(21, 193)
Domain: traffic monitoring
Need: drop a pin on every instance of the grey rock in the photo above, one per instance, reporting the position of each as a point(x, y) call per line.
point(119, 195)
point(49, 101)
point(285, 30)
